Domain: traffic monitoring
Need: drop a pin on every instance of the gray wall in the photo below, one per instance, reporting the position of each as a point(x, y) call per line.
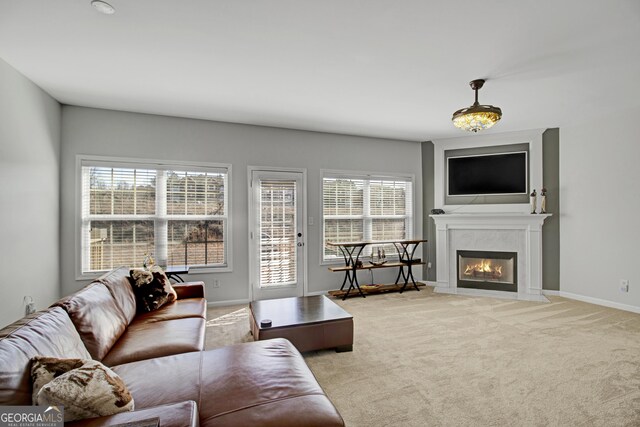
point(121, 134)
point(428, 199)
point(29, 185)
point(551, 228)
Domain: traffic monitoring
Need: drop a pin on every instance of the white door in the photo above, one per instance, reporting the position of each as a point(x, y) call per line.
point(277, 234)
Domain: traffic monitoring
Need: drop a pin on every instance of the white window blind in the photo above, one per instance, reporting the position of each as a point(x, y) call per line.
point(277, 233)
point(178, 214)
point(357, 208)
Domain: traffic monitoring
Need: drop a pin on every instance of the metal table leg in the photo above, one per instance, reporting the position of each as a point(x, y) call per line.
point(406, 256)
point(351, 262)
point(175, 277)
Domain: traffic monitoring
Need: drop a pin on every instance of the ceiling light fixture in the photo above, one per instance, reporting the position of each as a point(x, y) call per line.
point(103, 7)
point(477, 117)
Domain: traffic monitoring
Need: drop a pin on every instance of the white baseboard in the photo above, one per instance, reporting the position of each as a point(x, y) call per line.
point(550, 292)
point(490, 294)
point(598, 301)
point(428, 283)
point(228, 302)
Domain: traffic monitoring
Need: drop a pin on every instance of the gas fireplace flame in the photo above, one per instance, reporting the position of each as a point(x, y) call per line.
point(485, 268)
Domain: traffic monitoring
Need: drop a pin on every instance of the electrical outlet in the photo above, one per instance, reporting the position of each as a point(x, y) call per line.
point(624, 285)
point(429, 264)
point(216, 283)
point(310, 222)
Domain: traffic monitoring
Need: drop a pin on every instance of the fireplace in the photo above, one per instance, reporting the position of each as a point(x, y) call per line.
point(496, 271)
point(507, 232)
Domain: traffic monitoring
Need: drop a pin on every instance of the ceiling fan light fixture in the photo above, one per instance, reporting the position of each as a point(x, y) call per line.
point(476, 117)
point(103, 7)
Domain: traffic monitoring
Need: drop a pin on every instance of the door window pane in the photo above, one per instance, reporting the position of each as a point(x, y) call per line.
point(278, 240)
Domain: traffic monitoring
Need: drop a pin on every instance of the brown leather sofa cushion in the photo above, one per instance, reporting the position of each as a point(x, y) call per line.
point(294, 411)
point(262, 382)
point(184, 414)
point(145, 340)
point(180, 309)
point(45, 333)
point(97, 318)
point(117, 281)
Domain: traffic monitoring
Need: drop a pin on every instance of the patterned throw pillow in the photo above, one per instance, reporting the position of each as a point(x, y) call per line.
point(86, 391)
point(161, 277)
point(45, 369)
point(152, 289)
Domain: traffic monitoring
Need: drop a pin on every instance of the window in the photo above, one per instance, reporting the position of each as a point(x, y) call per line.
point(365, 207)
point(176, 212)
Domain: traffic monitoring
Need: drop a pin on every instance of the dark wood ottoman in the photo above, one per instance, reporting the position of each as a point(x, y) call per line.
point(310, 323)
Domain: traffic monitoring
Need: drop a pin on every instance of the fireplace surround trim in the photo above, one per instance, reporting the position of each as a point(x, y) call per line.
point(515, 232)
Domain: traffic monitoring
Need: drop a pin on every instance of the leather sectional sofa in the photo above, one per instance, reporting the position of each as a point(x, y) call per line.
point(160, 357)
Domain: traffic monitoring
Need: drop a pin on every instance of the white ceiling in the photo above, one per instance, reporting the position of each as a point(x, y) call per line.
point(384, 68)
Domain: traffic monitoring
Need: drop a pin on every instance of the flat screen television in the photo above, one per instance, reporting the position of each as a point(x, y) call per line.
point(487, 174)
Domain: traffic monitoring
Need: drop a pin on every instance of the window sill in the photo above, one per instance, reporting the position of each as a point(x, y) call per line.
point(192, 271)
point(89, 276)
point(210, 270)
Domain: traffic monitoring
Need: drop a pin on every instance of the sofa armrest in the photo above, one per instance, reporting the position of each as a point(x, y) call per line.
point(189, 289)
point(173, 415)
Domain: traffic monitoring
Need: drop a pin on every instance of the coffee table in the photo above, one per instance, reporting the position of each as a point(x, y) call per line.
point(310, 323)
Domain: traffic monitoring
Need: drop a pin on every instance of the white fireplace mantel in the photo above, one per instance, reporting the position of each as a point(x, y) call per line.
point(512, 232)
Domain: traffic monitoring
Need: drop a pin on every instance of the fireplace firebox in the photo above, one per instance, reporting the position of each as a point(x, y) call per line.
point(497, 271)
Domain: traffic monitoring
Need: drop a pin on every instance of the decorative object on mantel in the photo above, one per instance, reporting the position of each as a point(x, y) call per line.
point(533, 201)
point(437, 212)
point(543, 200)
point(477, 117)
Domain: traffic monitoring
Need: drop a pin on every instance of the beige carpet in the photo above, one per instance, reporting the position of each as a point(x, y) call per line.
point(426, 359)
point(227, 325)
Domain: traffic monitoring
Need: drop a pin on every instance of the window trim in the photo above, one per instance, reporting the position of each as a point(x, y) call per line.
point(371, 175)
point(159, 164)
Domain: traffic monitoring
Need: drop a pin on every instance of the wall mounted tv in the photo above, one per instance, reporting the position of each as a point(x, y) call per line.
point(487, 174)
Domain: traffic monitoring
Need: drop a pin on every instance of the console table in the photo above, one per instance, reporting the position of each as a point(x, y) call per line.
point(351, 252)
point(175, 271)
